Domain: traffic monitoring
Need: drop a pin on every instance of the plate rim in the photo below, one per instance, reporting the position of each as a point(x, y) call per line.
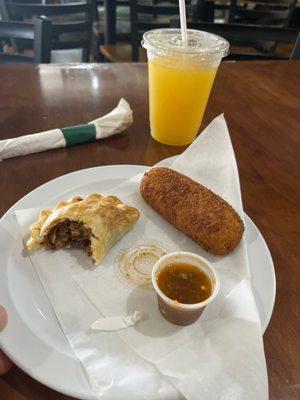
point(268, 253)
point(75, 393)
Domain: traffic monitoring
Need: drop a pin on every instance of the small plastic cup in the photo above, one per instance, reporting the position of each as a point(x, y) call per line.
point(180, 81)
point(172, 310)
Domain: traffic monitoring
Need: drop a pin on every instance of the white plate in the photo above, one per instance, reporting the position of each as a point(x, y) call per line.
point(33, 338)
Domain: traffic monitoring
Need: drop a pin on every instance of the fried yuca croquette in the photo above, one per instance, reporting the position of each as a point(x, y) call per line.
point(193, 209)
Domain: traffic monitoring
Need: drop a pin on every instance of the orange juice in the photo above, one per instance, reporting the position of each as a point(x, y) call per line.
point(178, 94)
point(181, 75)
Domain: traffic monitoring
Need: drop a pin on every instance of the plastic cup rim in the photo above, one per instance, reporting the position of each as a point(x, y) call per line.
point(183, 305)
point(208, 54)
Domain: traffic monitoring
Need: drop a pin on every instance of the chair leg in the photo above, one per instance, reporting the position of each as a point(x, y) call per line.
point(85, 56)
point(97, 55)
point(134, 51)
point(295, 55)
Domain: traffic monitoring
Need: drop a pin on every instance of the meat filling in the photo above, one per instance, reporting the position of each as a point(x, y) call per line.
point(69, 234)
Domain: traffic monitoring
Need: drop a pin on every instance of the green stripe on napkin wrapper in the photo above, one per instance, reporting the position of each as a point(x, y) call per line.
point(79, 134)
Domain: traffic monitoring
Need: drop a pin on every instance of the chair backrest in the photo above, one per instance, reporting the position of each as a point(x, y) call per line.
point(239, 34)
point(144, 17)
point(39, 32)
point(71, 22)
point(262, 12)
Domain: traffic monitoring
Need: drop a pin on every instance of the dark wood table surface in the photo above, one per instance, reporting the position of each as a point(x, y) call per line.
point(261, 104)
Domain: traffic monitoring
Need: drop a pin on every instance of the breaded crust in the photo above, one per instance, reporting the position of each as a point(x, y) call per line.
point(193, 209)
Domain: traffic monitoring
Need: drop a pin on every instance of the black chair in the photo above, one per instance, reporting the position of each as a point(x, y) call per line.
point(144, 15)
point(262, 12)
point(39, 32)
point(71, 22)
point(100, 3)
point(160, 15)
point(109, 28)
point(238, 34)
point(295, 19)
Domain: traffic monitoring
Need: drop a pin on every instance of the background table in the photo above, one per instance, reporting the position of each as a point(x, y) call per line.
point(261, 104)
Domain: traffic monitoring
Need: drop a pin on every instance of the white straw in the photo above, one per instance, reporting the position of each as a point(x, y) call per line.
point(183, 22)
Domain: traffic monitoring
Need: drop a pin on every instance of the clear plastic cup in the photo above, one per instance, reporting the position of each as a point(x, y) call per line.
point(172, 310)
point(180, 81)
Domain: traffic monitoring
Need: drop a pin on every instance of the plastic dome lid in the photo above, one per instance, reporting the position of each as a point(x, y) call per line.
point(201, 45)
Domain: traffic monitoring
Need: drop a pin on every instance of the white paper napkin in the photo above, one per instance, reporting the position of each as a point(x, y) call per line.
point(114, 122)
point(219, 357)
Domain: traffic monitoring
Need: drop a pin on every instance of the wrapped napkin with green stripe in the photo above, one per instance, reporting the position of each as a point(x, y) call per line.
point(116, 121)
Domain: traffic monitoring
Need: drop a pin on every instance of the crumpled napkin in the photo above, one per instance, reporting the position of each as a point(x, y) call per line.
point(220, 356)
point(116, 121)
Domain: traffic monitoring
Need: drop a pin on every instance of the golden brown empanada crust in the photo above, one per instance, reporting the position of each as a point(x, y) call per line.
point(105, 218)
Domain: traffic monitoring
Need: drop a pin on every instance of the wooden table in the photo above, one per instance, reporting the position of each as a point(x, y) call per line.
point(261, 105)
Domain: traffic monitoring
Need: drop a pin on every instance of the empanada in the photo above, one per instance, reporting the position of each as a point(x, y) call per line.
point(94, 224)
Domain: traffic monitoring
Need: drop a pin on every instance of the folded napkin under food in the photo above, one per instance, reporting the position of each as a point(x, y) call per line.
point(116, 121)
point(220, 356)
